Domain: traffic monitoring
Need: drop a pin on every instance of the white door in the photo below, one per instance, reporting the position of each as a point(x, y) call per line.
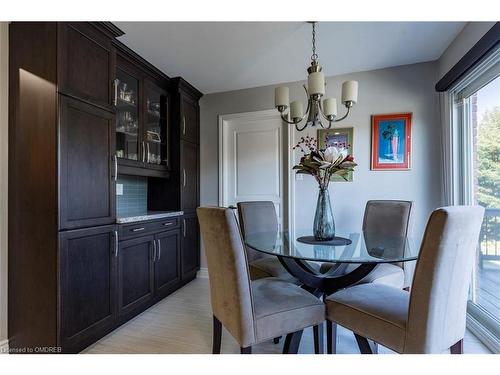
point(251, 159)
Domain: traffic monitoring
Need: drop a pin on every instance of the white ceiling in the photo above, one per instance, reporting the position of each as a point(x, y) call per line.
point(223, 56)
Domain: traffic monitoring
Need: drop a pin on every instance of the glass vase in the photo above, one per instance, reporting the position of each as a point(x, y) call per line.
point(324, 225)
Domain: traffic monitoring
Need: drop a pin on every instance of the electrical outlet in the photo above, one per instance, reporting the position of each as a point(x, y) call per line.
point(119, 189)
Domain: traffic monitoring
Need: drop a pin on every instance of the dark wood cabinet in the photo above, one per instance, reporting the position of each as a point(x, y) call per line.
point(167, 262)
point(87, 170)
point(79, 44)
point(189, 174)
point(71, 280)
point(142, 118)
point(87, 277)
point(189, 119)
point(190, 246)
point(135, 275)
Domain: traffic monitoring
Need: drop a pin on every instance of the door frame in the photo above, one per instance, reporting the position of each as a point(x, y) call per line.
point(286, 185)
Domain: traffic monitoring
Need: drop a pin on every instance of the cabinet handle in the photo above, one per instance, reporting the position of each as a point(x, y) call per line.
point(154, 251)
point(148, 151)
point(116, 167)
point(159, 249)
point(184, 227)
point(116, 243)
point(183, 177)
point(138, 229)
point(169, 223)
point(183, 125)
point(143, 152)
point(115, 86)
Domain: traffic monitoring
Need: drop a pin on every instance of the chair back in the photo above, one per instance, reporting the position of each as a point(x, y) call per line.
point(439, 293)
point(387, 220)
point(256, 217)
point(230, 289)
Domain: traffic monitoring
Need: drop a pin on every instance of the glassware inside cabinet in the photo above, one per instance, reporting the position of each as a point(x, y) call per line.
point(156, 125)
point(127, 116)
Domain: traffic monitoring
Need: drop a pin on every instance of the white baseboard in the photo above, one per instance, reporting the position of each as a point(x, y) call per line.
point(4, 346)
point(202, 273)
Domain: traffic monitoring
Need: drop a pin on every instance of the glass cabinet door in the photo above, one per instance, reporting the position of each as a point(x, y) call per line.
point(127, 116)
point(155, 125)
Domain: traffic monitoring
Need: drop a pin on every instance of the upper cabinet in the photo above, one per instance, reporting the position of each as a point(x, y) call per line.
point(142, 118)
point(78, 44)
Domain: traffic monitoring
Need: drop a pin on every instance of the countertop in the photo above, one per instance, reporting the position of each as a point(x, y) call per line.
point(150, 215)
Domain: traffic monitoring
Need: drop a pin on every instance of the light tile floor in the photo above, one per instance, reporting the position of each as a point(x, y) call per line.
point(182, 323)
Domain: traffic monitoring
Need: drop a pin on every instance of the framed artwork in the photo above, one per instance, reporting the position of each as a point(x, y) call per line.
point(391, 142)
point(338, 137)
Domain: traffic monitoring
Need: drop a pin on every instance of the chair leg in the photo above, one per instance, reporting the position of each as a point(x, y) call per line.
point(457, 348)
point(331, 337)
point(292, 342)
point(363, 344)
point(217, 336)
point(276, 340)
point(247, 350)
point(318, 339)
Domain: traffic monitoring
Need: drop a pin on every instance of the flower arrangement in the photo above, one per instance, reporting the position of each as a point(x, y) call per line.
point(322, 164)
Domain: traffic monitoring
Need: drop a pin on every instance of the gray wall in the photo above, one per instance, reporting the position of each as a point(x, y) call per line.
point(469, 36)
point(400, 89)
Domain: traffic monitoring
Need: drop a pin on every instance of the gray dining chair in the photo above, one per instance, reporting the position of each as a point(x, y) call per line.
point(252, 311)
point(431, 317)
point(382, 218)
point(255, 218)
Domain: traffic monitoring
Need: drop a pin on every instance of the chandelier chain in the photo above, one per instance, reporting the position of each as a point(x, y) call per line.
point(314, 56)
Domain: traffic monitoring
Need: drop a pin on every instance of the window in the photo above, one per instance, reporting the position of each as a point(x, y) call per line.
point(475, 143)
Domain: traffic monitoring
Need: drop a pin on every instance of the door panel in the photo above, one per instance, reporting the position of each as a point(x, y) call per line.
point(189, 176)
point(79, 44)
point(190, 246)
point(189, 120)
point(87, 286)
point(167, 264)
point(87, 189)
point(135, 274)
point(253, 160)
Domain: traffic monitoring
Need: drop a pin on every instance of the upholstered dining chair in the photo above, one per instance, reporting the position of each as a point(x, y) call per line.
point(382, 218)
point(252, 311)
point(431, 317)
point(260, 217)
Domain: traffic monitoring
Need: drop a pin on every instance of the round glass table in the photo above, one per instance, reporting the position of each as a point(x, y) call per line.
point(366, 249)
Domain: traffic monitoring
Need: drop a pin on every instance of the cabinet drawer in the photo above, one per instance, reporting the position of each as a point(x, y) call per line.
point(168, 223)
point(137, 229)
point(148, 227)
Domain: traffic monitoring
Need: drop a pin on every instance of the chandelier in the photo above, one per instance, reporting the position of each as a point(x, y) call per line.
point(316, 108)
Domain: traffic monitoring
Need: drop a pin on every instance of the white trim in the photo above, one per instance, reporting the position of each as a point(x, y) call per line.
point(4, 347)
point(202, 273)
point(482, 334)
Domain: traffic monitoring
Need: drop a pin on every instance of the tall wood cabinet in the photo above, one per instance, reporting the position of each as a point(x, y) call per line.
point(74, 273)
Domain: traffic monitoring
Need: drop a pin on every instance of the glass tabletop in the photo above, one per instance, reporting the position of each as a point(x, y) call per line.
point(365, 247)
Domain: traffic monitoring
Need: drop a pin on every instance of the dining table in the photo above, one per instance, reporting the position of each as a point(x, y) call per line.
point(350, 255)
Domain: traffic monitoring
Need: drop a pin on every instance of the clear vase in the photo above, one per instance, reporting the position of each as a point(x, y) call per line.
point(324, 225)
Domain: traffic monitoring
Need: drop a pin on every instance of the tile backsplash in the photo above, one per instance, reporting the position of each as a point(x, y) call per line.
point(134, 200)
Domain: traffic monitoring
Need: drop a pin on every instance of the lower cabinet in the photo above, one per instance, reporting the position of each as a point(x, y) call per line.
point(135, 275)
point(88, 285)
point(190, 246)
point(167, 263)
point(103, 282)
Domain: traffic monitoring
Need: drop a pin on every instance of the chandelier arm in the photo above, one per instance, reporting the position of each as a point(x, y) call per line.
point(286, 120)
point(343, 117)
point(300, 129)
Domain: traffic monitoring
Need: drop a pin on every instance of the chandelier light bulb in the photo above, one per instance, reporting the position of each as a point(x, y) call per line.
point(330, 107)
point(316, 83)
point(350, 92)
point(281, 96)
point(296, 110)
